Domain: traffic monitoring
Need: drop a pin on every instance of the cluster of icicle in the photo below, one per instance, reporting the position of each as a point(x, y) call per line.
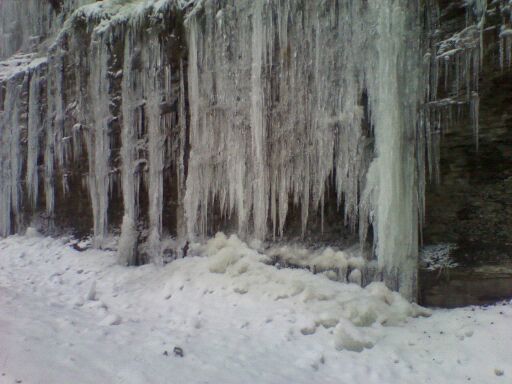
point(101, 106)
point(267, 106)
point(456, 62)
point(505, 33)
point(277, 112)
point(26, 24)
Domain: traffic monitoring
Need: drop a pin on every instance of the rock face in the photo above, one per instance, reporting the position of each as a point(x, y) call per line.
point(463, 286)
point(471, 206)
point(273, 120)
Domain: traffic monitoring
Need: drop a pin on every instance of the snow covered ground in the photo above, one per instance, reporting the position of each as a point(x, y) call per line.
point(225, 316)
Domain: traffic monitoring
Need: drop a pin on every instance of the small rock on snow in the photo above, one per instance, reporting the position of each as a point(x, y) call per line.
point(178, 351)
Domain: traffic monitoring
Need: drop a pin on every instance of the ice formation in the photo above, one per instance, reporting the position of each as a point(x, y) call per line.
point(102, 119)
point(26, 26)
point(277, 112)
point(161, 117)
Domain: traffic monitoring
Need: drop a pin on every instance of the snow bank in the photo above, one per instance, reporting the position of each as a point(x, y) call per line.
point(233, 317)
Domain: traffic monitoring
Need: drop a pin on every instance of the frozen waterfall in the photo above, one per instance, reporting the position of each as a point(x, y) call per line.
point(158, 118)
point(276, 105)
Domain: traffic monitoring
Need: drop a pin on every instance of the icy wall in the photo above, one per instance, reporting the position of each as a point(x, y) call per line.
point(156, 118)
point(97, 123)
point(277, 110)
point(26, 24)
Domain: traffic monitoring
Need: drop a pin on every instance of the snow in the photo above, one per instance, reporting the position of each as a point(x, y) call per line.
point(434, 257)
point(224, 316)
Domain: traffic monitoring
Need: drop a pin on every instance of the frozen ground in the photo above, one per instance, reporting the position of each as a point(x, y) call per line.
point(78, 317)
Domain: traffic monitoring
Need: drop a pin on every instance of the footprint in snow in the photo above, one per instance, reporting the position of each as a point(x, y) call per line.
point(91, 295)
point(111, 319)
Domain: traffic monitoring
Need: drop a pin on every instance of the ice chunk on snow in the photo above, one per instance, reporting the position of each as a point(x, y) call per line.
point(355, 277)
point(32, 232)
point(220, 262)
point(347, 336)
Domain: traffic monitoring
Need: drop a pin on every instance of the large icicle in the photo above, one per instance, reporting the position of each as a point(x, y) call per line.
point(36, 127)
point(130, 174)
point(98, 144)
point(258, 123)
point(153, 114)
point(10, 166)
point(156, 86)
point(393, 86)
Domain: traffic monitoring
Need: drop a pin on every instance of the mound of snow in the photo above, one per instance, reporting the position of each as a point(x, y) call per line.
point(324, 302)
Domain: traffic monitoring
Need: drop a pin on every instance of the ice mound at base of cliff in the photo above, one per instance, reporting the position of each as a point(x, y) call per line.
point(322, 302)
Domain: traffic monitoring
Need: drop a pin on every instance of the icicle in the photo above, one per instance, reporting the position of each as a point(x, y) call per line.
point(183, 156)
point(474, 115)
point(155, 88)
point(36, 124)
point(10, 152)
point(392, 173)
point(192, 198)
point(98, 136)
point(258, 129)
point(14, 89)
point(49, 170)
point(130, 174)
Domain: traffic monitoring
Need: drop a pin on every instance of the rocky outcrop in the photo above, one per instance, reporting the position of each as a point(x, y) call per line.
point(471, 205)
